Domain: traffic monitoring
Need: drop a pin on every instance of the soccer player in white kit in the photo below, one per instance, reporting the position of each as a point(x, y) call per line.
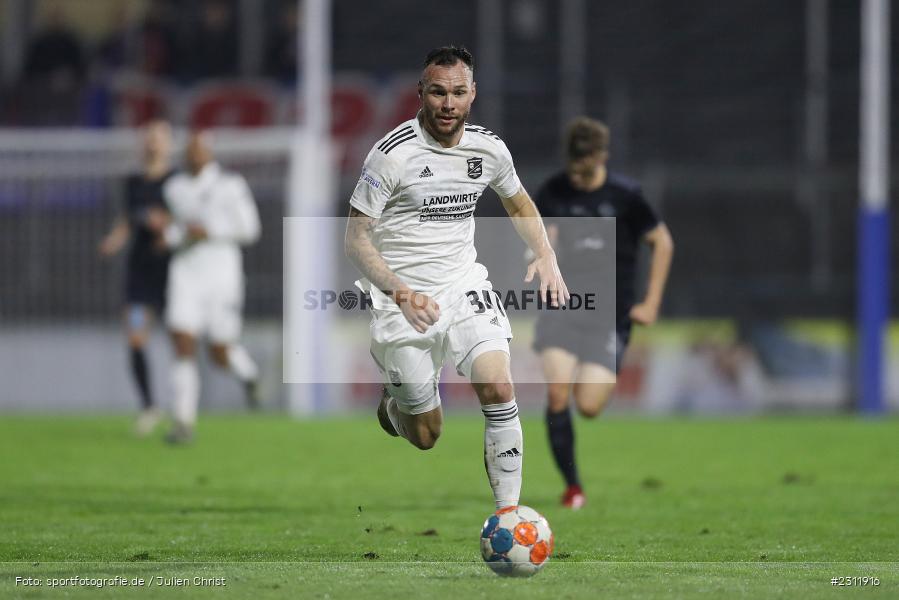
point(411, 234)
point(211, 215)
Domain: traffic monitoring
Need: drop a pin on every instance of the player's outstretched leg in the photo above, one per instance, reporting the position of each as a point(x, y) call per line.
point(238, 361)
point(561, 441)
point(421, 429)
point(593, 389)
point(186, 385)
point(140, 371)
point(385, 418)
point(503, 440)
point(137, 324)
point(559, 368)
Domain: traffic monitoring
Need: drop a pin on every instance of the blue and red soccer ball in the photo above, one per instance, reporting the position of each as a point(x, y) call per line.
point(516, 541)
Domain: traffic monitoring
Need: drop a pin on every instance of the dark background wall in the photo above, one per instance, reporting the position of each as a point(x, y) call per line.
point(706, 99)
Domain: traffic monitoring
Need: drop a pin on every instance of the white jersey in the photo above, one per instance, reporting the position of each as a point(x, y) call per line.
point(424, 196)
point(221, 202)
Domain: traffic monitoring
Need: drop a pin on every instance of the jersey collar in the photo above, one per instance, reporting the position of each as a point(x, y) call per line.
point(209, 171)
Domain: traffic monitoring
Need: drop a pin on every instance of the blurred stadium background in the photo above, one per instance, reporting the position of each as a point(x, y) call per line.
point(741, 119)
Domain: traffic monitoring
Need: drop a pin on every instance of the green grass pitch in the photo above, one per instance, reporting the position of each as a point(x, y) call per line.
point(754, 508)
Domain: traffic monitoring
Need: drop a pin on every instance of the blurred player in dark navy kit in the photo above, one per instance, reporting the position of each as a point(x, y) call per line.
point(148, 259)
point(580, 353)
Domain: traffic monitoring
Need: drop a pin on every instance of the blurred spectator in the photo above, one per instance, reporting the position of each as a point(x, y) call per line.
point(49, 93)
point(55, 53)
point(114, 50)
point(212, 49)
point(148, 46)
point(158, 40)
point(720, 378)
point(281, 44)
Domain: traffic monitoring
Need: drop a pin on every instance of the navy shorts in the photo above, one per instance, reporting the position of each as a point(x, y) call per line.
point(146, 286)
point(588, 341)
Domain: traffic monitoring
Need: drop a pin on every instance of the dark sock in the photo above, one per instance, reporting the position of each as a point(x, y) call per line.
point(141, 377)
point(561, 440)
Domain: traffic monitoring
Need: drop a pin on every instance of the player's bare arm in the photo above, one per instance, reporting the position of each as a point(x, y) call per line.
point(113, 242)
point(526, 219)
point(659, 238)
point(552, 233)
point(420, 310)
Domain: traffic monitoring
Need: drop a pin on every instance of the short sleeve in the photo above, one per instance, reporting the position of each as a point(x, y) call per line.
point(238, 219)
point(375, 185)
point(505, 183)
point(641, 217)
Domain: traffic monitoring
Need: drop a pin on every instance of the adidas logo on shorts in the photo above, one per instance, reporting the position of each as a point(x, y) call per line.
point(426, 172)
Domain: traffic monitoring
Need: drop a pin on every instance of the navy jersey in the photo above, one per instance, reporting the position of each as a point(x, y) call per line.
point(579, 247)
point(147, 262)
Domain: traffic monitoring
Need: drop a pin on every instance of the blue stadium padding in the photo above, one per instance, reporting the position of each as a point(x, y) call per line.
point(97, 106)
point(873, 307)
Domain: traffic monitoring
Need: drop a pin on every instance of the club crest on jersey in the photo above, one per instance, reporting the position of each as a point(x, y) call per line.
point(475, 167)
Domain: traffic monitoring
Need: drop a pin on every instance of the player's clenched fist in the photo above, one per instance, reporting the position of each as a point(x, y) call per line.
point(420, 310)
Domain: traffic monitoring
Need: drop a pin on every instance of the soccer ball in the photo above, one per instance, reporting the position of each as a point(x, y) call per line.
point(516, 541)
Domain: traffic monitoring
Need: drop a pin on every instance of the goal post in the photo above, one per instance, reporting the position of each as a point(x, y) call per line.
point(873, 231)
point(309, 257)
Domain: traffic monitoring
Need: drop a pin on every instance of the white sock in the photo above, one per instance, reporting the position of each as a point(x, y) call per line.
point(503, 451)
point(186, 384)
point(393, 413)
point(241, 363)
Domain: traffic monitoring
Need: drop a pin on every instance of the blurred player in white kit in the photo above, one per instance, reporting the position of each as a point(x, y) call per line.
point(211, 214)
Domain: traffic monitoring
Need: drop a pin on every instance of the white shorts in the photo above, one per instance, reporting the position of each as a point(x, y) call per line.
point(205, 306)
point(411, 362)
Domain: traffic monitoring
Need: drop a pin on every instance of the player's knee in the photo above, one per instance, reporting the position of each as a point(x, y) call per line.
point(590, 411)
point(137, 340)
point(219, 354)
point(592, 407)
point(425, 442)
point(557, 396)
point(497, 392)
point(184, 345)
point(426, 438)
